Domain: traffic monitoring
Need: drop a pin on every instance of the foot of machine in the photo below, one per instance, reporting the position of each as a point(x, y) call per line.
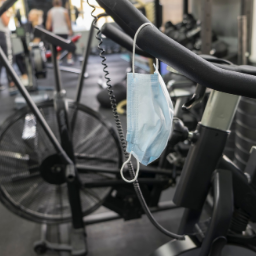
point(71, 241)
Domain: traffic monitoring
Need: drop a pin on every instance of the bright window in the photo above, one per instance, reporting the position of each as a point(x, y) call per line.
point(84, 20)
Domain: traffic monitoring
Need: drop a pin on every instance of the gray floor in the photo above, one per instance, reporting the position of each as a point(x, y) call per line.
point(115, 238)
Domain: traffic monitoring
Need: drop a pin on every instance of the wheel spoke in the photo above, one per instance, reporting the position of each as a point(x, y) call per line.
point(14, 155)
point(92, 194)
point(88, 137)
point(82, 156)
point(33, 191)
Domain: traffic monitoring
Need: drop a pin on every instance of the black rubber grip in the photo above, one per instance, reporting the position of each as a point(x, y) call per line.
point(6, 5)
point(216, 60)
point(175, 55)
point(227, 65)
point(111, 31)
point(245, 69)
point(55, 40)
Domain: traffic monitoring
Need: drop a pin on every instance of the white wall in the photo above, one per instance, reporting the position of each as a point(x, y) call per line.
point(172, 10)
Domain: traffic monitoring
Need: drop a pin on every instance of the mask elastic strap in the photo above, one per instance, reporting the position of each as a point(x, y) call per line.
point(156, 65)
point(137, 171)
point(134, 46)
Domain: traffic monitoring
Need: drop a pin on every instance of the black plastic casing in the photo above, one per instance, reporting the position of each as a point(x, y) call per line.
point(200, 164)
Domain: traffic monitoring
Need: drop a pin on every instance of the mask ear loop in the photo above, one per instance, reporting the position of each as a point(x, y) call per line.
point(137, 171)
point(133, 71)
point(134, 44)
point(156, 65)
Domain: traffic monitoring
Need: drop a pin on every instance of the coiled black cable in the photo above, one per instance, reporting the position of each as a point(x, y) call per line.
point(122, 137)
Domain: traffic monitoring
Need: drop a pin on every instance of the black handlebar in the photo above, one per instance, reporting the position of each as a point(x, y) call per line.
point(54, 40)
point(175, 55)
point(245, 69)
point(6, 5)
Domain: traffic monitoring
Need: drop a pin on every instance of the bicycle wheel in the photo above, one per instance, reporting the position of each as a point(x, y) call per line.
point(24, 146)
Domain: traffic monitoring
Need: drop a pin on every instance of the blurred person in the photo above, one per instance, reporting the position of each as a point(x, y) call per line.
point(5, 44)
point(35, 17)
point(59, 22)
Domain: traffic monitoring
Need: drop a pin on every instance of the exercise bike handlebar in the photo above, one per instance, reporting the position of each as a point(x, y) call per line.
point(111, 31)
point(175, 55)
point(6, 5)
point(54, 39)
point(245, 69)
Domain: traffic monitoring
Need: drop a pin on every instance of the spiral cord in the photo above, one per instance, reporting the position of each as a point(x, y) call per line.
point(121, 133)
point(109, 86)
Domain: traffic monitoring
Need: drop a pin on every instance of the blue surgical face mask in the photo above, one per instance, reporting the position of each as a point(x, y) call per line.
point(149, 116)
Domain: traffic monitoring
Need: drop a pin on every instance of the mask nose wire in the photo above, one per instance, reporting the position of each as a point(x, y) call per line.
point(134, 46)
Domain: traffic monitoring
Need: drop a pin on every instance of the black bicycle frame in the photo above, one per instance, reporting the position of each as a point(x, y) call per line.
point(34, 108)
point(65, 150)
point(84, 67)
point(85, 59)
point(61, 110)
point(205, 156)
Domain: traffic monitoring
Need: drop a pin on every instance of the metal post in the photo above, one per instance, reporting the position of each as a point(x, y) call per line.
point(206, 32)
point(158, 14)
point(185, 7)
point(56, 68)
point(73, 183)
point(85, 60)
point(242, 40)
point(84, 65)
point(242, 60)
point(247, 10)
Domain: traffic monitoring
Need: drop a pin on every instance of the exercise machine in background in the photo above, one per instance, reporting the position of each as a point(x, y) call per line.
point(228, 231)
point(34, 61)
point(188, 33)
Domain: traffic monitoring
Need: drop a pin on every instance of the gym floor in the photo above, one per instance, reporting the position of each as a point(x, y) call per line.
point(114, 238)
